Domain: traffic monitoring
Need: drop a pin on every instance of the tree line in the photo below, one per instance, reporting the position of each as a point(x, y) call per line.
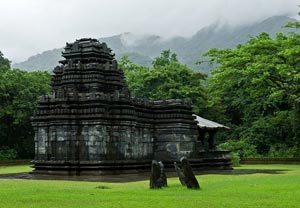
point(19, 91)
point(253, 88)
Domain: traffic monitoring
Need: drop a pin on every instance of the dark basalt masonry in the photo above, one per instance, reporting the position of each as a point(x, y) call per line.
point(91, 124)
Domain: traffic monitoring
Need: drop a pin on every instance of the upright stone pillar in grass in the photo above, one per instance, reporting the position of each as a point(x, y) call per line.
point(158, 178)
point(186, 175)
point(180, 174)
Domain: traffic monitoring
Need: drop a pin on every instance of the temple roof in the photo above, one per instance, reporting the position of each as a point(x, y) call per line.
point(87, 48)
point(207, 124)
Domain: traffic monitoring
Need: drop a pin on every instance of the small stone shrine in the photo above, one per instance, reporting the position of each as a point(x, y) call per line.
point(90, 124)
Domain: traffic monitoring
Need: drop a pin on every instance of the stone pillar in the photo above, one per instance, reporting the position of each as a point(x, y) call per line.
point(211, 140)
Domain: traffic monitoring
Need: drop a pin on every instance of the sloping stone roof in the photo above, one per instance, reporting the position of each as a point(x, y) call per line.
point(207, 124)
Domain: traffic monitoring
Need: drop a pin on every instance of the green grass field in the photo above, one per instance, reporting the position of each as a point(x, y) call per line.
point(249, 188)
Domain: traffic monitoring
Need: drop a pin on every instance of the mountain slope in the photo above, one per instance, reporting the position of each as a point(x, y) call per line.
point(142, 49)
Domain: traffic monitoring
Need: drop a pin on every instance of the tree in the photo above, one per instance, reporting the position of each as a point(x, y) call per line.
point(165, 59)
point(167, 79)
point(4, 62)
point(134, 75)
point(19, 91)
point(254, 88)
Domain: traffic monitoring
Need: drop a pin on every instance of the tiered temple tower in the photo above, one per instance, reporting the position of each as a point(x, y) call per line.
point(90, 124)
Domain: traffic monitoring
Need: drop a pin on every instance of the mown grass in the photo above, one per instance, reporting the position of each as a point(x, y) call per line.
point(15, 169)
point(278, 189)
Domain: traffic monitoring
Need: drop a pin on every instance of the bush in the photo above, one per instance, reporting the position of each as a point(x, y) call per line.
point(7, 154)
point(235, 158)
point(283, 151)
point(241, 148)
point(237, 150)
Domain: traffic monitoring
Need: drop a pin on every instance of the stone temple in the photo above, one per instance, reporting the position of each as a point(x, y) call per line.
point(90, 124)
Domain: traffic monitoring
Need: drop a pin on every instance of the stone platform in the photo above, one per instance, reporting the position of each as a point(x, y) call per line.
point(220, 161)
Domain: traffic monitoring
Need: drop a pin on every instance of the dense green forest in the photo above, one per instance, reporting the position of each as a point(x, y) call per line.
point(166, 79)
point(253, 89)
point(19, 91)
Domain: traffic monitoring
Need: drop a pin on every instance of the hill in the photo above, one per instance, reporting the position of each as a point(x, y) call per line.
point(141, 49)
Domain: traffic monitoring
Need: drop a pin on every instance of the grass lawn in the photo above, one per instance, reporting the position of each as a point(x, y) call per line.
point(14, 169)
point(278, 189)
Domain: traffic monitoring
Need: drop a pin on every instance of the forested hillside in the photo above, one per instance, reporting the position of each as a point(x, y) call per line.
point(142, 49)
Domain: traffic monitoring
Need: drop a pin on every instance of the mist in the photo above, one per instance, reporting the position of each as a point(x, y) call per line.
point(32, 26)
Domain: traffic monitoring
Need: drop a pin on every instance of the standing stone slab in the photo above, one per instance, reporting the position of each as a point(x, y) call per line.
point(180, 174)
point(163, 174)
point(158, 177)
point(189, 177)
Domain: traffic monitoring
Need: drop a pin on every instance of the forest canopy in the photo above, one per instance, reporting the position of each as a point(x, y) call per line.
point(19, 91)
point(166, 79)
point(252, 88)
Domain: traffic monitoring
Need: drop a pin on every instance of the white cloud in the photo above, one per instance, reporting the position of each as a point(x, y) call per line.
point(32, 26)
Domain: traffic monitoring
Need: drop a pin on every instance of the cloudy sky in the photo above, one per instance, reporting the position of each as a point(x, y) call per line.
point(29, 27)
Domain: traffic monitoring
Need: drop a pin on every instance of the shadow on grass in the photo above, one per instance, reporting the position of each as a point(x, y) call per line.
point(102, 187)
point(125, 178)
point(253, 171)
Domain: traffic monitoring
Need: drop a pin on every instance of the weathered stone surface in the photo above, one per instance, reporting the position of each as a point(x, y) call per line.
point(180, 174)
point(163, 174)
point(189, 177)
point(91, 119)
point(158, 177)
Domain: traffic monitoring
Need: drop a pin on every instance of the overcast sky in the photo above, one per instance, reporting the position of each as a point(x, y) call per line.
point(29, 27)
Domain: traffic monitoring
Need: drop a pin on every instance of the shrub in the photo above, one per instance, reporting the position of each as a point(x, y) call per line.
point(235, 158)
point(241, 148)
point(283, 151)
point(7, 154)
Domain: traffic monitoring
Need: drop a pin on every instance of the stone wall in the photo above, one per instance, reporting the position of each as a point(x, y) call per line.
point(123, 132)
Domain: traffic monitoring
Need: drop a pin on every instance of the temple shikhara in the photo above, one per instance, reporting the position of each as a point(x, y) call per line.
point(90, 124)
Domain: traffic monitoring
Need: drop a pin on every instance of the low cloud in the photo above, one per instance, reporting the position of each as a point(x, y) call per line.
point(32, 26)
